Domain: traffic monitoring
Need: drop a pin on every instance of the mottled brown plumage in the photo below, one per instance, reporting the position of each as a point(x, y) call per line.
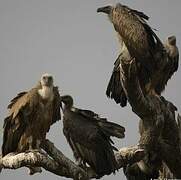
point(89, 137)
point(139, 41)
point(30, 116)
point(139, 38)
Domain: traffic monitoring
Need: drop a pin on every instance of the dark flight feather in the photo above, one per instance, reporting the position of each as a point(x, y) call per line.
point(114, 89)
point(109, 128)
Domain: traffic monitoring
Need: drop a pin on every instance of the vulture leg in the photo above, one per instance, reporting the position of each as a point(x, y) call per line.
point(34, 170)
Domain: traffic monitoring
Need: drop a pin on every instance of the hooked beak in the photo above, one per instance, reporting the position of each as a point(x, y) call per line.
point(105, 9)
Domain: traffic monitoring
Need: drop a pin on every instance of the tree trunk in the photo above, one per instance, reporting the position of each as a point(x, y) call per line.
point(159, 131)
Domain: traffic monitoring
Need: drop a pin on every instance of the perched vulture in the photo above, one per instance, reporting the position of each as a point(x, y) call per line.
point(140, 42)
point(30, 116)
point(89, 138)
point(172, 63)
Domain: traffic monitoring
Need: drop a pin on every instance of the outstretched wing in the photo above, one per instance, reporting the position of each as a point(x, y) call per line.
point(114, 89)
point(108, 128)
point(15, 124)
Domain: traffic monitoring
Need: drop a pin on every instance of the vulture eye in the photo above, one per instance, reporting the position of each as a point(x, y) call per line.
point(44, 77)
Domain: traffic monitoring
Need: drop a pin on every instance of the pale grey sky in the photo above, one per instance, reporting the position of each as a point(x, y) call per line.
point(68, 39)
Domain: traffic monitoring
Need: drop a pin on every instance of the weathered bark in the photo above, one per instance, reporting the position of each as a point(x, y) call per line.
point(56, 162)
point(59, 157)
point(34, 159)
point(159, 129)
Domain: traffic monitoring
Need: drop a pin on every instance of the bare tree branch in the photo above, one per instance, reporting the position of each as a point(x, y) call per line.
point(55, 161)
point(32, 158)
point(59, 157)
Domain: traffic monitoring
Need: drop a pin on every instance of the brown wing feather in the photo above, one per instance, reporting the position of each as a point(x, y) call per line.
point(14, 100)
point(17, 121)
point(114, 89)
point(141, 41)
point(109, 128)
point(13, 130)
point(139, 13)
point(139, 38)
point(136, 33)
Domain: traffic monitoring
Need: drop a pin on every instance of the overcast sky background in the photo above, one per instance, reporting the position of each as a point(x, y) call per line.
point(68, 39)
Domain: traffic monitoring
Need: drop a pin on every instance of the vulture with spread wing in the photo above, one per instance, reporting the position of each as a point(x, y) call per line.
point(30, 116)
point(139, 41)
point(89, 137)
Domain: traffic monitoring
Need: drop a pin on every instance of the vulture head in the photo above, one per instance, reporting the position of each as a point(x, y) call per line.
point(105, 9)
point(172, 40)
point(114, 12)
point(67, 100)
point(46, 80)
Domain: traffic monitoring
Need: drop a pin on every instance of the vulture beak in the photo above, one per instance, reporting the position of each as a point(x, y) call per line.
point(105, 9)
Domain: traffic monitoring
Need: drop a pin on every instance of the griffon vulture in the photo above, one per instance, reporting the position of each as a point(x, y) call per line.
point(89, 137)
point(140, 42)
point(171, 65)
point(30, 116)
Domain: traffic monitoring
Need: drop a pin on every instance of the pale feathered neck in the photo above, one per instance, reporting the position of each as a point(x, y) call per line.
point(46, 92)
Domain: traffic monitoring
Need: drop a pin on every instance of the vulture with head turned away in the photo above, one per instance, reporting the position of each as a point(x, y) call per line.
point(138, 41)
point(89, 137)
point(171, 66)
point(30, 116)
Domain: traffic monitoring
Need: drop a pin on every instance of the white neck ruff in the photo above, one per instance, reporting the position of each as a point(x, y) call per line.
point(46, 92)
